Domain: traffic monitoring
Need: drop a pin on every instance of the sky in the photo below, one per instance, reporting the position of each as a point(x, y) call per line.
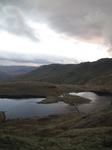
point(40, 32)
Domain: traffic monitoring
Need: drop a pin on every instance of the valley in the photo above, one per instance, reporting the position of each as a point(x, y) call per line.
point(73, 130)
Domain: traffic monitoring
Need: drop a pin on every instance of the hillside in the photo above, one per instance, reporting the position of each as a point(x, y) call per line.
point(98, 72)
point(7, 72)
point(70, 131)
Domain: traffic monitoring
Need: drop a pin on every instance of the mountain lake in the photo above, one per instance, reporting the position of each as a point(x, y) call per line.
point(29, 108)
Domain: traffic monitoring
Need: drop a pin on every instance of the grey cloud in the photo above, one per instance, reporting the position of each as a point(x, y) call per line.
point(13, 21)
point(88, 20)
point(20, 3)
point(83, 19)
point(22, 58)
point(34, 58)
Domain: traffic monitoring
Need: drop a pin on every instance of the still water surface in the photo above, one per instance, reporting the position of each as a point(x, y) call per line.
point(96, 101)
point(28, 108)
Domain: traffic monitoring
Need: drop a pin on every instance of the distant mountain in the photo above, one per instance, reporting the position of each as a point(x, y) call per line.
point(7, 72)
point(98, 72)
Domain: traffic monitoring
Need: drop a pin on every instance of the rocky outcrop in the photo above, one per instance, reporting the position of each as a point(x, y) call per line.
point(2, 116)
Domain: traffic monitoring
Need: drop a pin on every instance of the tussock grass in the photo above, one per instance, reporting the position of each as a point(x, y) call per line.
point(50, 91)
point(72, 131)
point(59, 132)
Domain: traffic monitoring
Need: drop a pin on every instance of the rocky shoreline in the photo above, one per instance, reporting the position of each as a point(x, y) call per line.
point(102, 92)
point(2, 116)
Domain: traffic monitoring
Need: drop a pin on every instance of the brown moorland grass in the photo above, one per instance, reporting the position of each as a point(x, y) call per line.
point(72, 131)
point(68, 131)
point(52, 92)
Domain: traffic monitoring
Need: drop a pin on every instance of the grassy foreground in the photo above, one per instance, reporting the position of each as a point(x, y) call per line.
point(70, 131)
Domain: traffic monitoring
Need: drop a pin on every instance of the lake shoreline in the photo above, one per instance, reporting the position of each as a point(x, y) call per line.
point(22, 96)
point(2, 117)
point(102, 92)
point(19, 96)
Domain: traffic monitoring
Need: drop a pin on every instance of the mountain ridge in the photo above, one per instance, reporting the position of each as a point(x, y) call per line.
point(8, 72)
point(83, 73)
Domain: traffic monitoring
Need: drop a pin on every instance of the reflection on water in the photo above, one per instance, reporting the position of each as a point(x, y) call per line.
point(28, 108)
point(89, 95)
point(97, 101)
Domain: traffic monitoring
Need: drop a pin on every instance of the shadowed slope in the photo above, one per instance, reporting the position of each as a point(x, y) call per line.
point(99, 72)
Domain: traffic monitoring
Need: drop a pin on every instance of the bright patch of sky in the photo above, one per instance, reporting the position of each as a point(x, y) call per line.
point(45, 33)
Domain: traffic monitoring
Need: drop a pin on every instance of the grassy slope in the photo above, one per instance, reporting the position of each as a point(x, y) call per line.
point(59, 132)
point(50, 91)
point(99, 72)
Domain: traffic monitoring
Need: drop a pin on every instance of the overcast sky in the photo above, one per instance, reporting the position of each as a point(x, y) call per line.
point(37, 32)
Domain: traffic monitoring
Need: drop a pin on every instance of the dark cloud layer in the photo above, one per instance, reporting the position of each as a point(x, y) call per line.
point(39, 59)
point(86, 20)
point(82, 19)
point(23, 58)
point(13, 21)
